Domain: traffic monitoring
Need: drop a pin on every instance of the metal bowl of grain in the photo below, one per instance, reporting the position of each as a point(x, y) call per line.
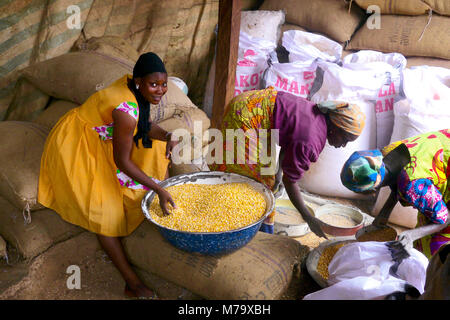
point(339, 220)
point(319, 258)
point(210, 243)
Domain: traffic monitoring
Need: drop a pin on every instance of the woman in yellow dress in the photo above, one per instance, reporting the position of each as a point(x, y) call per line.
point(102, 157)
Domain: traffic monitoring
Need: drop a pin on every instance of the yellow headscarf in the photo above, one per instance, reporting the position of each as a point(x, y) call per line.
point(348, 117)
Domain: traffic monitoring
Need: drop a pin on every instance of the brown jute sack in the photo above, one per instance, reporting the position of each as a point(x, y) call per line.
point(262, 270)
point(421, 61)
point(112, 46)
point(329, 17)
point(405, 7)
point(193, 122)
point(440, 6)
point(21, 147)
point(54, 112)
point(75, 76)
point(408, 35)
point(45, 229)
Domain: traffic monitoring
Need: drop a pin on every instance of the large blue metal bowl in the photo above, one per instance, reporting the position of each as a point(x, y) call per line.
point(210, 243)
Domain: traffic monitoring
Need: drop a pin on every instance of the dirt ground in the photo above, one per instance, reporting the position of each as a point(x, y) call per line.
point(46, 277)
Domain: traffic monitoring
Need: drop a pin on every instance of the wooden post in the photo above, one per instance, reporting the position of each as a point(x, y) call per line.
point(226, 57)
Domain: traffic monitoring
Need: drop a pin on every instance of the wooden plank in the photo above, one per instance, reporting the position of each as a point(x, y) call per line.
point(226, 57)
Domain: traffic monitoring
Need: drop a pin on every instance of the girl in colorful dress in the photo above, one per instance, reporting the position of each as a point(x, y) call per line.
point(303, 127)
point(417, 170)
point(102, 157)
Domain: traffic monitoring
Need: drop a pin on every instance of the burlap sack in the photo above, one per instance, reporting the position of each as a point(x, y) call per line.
point(112, 46)
point(438, 276)
point(405, 7)
point(407, 35)
point(27, 103)
point(30, 239)
point(440, 6)
point(329, 17)
point(76, 75)
point(421, 61)
point(55, 110)
point(21, 147)
point(262, 270)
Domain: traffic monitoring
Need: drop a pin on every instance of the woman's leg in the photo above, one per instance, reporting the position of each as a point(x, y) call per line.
point(113, 247)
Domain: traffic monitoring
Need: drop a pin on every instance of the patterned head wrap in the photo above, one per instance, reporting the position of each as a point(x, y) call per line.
point(348, 117)
point(363, 171)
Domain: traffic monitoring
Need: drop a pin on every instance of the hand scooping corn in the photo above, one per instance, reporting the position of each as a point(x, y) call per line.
point(211, 208)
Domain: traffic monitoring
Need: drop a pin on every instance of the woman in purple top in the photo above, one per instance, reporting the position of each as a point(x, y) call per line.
point(300, 127)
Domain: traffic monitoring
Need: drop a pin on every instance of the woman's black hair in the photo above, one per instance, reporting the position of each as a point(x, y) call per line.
point(147, 63)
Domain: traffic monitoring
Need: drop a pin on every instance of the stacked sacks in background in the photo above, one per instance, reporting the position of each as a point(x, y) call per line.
point(333, 19)
point(414, 28)
point(24, 223)
point(303, 50)
point(259, 34)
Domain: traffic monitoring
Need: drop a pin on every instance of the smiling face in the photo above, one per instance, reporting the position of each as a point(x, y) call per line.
point(153, 86)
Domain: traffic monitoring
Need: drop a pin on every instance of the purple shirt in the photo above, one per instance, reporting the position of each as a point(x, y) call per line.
point(302, 135)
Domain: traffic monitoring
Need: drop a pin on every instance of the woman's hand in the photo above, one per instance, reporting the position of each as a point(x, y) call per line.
point(314, 225)
point(296, 198)
point(164, 198)
point(170, 145)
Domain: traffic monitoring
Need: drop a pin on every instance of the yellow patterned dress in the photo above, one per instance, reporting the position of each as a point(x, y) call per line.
point(424, 184)
point(78, 176)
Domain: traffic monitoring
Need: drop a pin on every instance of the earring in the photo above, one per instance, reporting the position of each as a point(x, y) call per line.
point(137, 86)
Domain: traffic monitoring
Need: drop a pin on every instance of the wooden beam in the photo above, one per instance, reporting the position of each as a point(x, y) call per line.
point(226, 57)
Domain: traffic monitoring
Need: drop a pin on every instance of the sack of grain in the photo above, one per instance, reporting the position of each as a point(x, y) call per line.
point(329, 17)
point(21, 147)
point(410, 36)
point(30, 239)
point(306, 46)
point(427, 91)
point(401, 7)
point(77, 75)
point(260, 31)
point(27, 103)
point(359, 86)
point(56, 109)
point(111, 46)
point(390, 65)
point(440, 6)
point(423, 61)
point(244, 274)
point(193, 122)
point(263, 24)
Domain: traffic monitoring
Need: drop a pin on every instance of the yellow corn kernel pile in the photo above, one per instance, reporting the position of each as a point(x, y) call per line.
point(210, 208)
point(325, 259)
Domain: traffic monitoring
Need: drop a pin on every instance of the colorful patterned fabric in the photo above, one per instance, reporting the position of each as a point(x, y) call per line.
point(249, 110)
point(348, 117)
point(106, 131)
point(363, 171)
point(423, 183)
